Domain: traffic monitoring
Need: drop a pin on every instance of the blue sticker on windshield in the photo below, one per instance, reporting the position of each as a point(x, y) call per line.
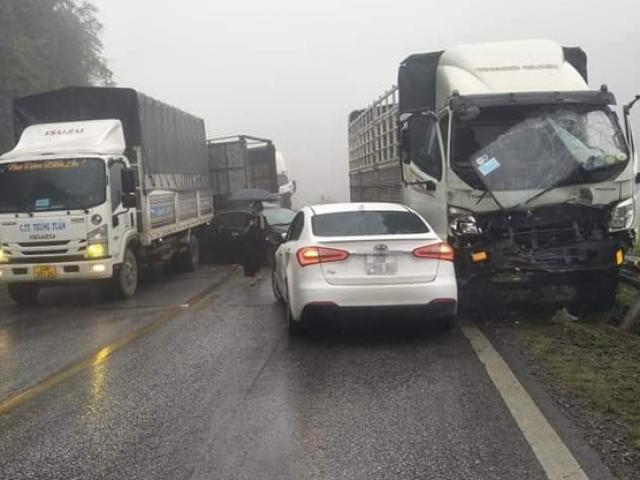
point(487, 165)
point(42, 203)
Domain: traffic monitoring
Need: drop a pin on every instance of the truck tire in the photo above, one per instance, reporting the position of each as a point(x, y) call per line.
point(24, 294)
point(125, 278)
point(190, 260)
point(595, 292)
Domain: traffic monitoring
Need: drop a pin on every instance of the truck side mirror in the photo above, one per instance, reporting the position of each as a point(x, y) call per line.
point(405, 145)
point(129, 200)
point(129, 181)
point(469, 114)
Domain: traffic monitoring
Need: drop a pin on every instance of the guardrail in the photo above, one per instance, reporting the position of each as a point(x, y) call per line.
point(630, 271)
point(630, 275)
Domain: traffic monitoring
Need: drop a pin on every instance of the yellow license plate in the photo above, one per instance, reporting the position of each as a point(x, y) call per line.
point(44, 272)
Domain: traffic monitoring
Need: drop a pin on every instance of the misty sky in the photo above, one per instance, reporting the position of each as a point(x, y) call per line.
point(292, 70)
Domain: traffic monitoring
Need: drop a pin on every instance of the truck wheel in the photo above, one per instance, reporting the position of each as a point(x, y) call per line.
point(125, 278)
point(595, 292)
point(190, 260)
point(24, 294)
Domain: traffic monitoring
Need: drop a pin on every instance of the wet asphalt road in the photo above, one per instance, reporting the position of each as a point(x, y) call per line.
point(219, 391)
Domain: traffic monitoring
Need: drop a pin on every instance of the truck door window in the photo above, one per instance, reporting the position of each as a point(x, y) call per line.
point(425, 148)
point(115, 182)
point(444, 130)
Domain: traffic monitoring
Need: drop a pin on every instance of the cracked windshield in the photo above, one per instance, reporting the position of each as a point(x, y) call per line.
point(518, 153)
point(331, 240)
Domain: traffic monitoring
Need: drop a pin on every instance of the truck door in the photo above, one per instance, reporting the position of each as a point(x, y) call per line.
point(120, 221)
point(424, 170)
point(636, 176)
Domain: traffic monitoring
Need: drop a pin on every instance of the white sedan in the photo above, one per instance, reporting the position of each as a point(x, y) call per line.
point(356, 255)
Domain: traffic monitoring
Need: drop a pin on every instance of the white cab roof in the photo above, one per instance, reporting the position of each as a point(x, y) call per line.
point(357, 207)
point(94, 137)
point(506, 67)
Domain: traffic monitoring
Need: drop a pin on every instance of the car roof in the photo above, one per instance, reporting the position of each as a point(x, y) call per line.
point(357, 207)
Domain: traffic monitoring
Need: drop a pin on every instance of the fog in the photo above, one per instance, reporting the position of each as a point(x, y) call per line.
point(292, 70)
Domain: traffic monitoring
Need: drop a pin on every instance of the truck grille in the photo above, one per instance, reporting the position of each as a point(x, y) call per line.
point(546, 226)
point(45, 251)
point(44, 244)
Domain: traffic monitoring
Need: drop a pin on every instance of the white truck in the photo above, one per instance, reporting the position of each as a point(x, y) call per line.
point(102, 181)
point(512, 157)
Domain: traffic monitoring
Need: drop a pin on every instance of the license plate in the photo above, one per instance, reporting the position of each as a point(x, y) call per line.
point(44, 272)
point(380, 265)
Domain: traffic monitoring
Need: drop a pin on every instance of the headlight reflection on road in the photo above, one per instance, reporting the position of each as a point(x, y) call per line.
point(6, 343)
point(97, 374)
point(7, 359)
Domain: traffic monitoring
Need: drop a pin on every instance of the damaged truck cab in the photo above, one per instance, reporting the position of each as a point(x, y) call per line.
point(524, 168)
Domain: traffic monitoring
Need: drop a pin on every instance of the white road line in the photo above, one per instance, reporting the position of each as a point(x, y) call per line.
point(555, 458)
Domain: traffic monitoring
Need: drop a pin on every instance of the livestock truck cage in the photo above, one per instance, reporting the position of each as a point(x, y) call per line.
point(374, 151)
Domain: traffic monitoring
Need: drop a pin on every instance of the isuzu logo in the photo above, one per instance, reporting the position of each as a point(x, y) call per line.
point(66, 131)
point(381, 248)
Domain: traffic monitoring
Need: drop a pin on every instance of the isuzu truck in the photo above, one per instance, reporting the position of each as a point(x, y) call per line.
point(102, 182)
point(509, 154)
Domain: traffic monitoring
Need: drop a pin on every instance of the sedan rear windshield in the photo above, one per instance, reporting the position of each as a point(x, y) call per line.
point(363, 223)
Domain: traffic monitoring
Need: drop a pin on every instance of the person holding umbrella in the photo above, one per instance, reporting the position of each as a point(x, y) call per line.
point(254, 244)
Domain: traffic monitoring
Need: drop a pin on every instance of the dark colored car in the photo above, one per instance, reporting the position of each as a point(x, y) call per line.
point(226, 242)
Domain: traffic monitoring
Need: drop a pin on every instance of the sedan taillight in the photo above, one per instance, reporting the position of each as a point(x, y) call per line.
point(315, 255)
point(437, 251)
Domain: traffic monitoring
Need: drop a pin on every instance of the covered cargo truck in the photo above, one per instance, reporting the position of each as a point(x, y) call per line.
point(242, 162)
point(510, 155)
point(101, 181)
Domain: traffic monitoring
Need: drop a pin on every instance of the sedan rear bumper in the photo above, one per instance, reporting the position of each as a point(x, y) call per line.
point(443, 308)
point(442, 292)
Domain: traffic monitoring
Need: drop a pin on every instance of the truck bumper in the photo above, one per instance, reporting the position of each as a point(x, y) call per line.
point(497, 257)
point(56, 271)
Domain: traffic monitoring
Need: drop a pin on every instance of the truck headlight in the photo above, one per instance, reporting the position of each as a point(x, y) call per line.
point(622, 216)
point(3, 256)
point(462, 223)
point(97, 243)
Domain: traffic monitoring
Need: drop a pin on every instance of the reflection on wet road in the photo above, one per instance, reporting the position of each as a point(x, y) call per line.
point(220, 391)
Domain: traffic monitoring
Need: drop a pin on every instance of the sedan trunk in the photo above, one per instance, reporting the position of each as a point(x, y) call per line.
point(380, 261)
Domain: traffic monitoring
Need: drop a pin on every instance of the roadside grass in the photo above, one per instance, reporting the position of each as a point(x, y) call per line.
point(594, 361)
point(588, 362)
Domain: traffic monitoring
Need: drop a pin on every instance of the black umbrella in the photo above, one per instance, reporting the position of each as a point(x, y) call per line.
point(253, 195)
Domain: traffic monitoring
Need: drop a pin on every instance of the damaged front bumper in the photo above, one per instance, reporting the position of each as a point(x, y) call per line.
point(505, 257)
point(559, 240)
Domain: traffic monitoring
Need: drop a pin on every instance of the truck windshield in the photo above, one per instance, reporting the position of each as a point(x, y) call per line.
point(518, 152)
point(48, 185)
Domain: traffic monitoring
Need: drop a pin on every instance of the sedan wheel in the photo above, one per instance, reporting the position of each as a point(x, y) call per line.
point(295, 327)
point(274, 286)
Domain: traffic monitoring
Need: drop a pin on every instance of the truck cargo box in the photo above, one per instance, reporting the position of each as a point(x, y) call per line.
point(242, 162)
point(173, 142)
